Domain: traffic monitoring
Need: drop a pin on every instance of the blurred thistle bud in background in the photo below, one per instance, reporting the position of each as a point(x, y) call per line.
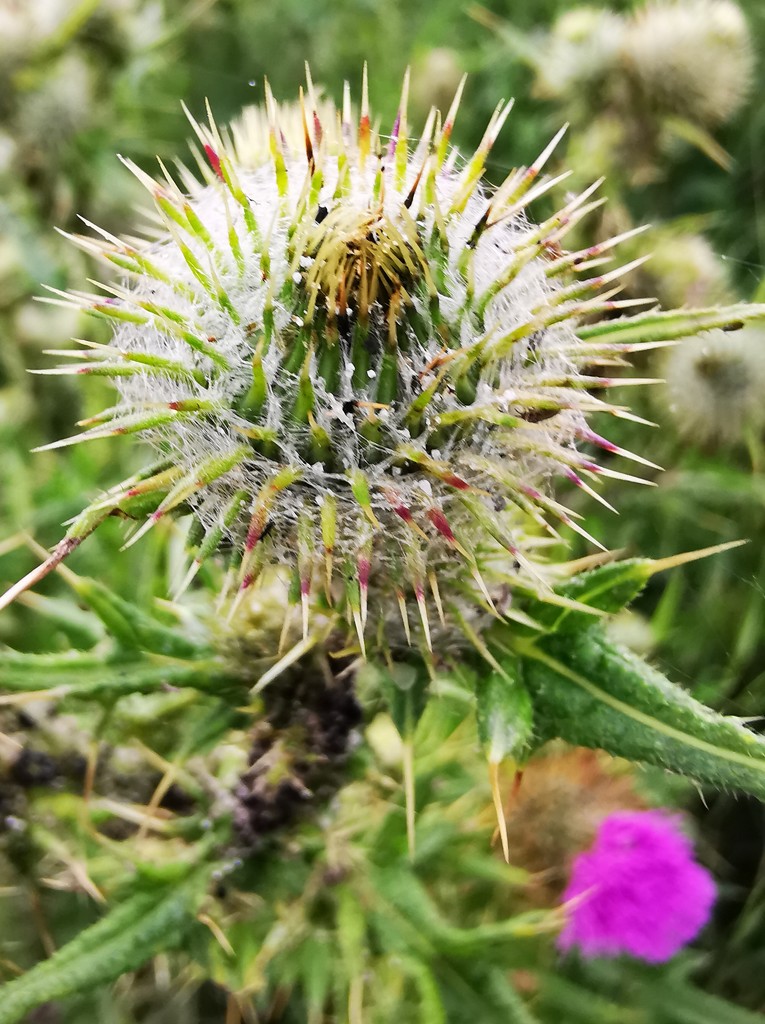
point(636, 84)
point(684, 270)
point(436, 77)
point(691, 58)
point(580, 52)
point(716, 386)
point(54, 110)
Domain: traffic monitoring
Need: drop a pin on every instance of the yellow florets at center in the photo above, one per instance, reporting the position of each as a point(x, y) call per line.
point(358, 259)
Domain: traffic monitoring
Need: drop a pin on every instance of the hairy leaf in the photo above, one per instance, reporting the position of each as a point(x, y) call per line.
point(144, 925)
point(86, 678)
point(504, 713)
point(133, 628)
point(591, 692)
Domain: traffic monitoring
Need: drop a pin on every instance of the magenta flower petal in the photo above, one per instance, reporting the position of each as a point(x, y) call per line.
point(638, 890)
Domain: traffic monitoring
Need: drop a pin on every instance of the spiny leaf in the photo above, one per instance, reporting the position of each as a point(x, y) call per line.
point(505, 724)
point(665, 325)
point(111, 680)
point(504, 713)
point(132, 627)
point(609, 588)
point(591, 692)
point(146, 924)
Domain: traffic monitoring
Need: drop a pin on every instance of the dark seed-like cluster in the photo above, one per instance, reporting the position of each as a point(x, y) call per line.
point(297, 756)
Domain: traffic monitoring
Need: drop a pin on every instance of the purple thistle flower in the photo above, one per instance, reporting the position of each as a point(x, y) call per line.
point(638, 890)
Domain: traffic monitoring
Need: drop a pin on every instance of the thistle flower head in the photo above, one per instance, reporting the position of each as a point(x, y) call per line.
point(684, 270)
point(583, 47)
point(564, 797)
point(716, 385)
point(353, 358)
point(693, 58)
point(436, 76)
point(638, 890)
point(55, 110)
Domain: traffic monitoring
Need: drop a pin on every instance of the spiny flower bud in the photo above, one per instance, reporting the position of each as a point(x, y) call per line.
point(583, 47)
point(435, 78)
point(716, 385)
point(684, 270)
point(693, 58)
point(354, 359)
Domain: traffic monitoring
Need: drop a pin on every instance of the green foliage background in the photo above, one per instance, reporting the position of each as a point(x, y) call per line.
point(703, 623)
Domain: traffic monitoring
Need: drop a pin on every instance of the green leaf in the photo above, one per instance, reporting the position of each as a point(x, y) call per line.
point(405, 690)
point(316, 962)
point(501, 994)
point(643, 994)
point(504, 713)
point(109, 680)
point(430, 1006)
point(404, 893)
point(579, 1005)
point(552, 611)
point(697, 136)
point(685, 1004)
point(591, 692)
point(351, 932)
point(133, 628)
point(146, 924)
point(608, 588)
point(82, 629)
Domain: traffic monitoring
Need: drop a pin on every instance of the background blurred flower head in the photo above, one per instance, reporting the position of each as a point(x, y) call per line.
point(684, 270)
point(693, 58)
point(560, 804)
point(716, 385)
point(584, 46)
point(638, 891)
